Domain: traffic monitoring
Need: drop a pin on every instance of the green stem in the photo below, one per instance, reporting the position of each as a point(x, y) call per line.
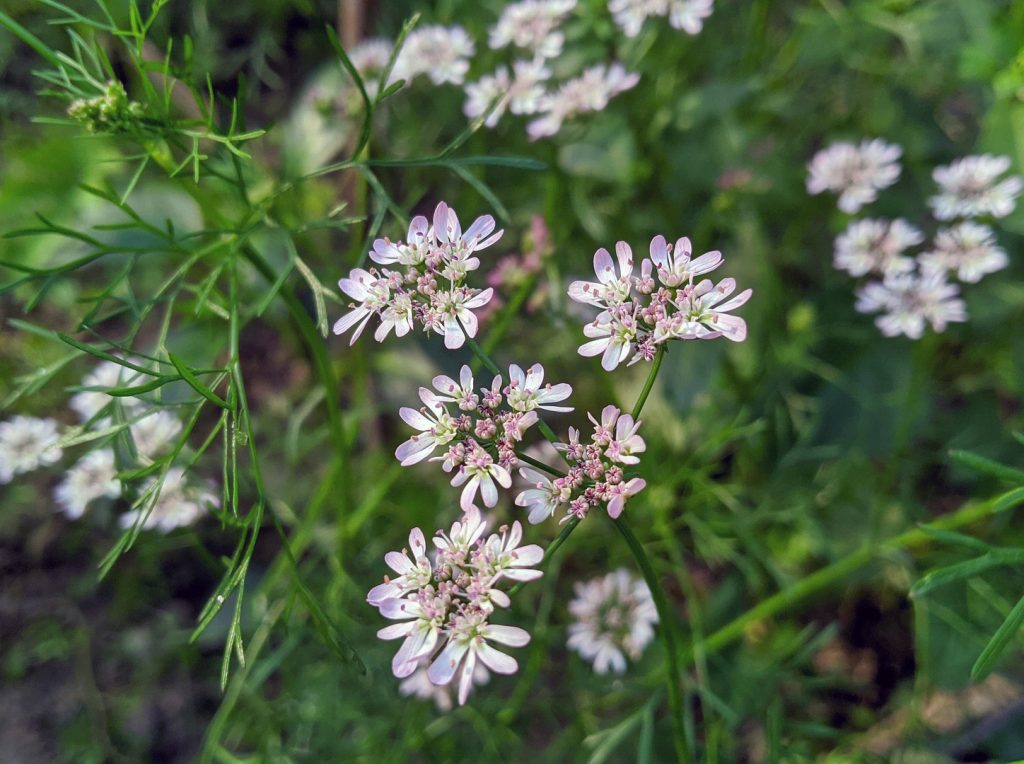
point(837, 571)
point(539, 464)
point(666, 617)
point(550, 551)
point(659, 356)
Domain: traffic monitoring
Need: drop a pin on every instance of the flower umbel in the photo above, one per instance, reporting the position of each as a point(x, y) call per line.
point(430, 289)
point(614, 617)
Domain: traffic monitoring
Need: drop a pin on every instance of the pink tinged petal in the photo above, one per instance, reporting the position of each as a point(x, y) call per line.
point(489, 241)
point(534, 376)
point(515, 535)
point(399, 563)
point(417, 228)
point(454, 229)
point(625, 255)
point(441, 222)
point(482, 226)
point(417, 542)
point(469, 494)
point(384, 330)
point(615, 506)
point(480, 299)
point(442, 670)
point(400, 609)
point(382, 592)
point(724, 288)
point(603, 266)
point(445, 384)
point(384, 252)
point(497, 661)
point(415, 419)
point(501, 475)
point(594, 347)
point(488, 490)
point(453, 336)
point(529, 473)
point(705, 263)
point(585, 292)
point(635, 486)
point(466, 378)
point(539, 513)
point(404, 662)
point(466, 677)
point(731, 327)
point(515, 574)
point(415, 451)
point(512, 636)
point(735, 302)
point(683, 248)
point(469, 322)
point(359, 329)
point(396, 630)
point(659, 251)
point(516, 375)
point(349, 320)
point(356, 285)
point(531, 554)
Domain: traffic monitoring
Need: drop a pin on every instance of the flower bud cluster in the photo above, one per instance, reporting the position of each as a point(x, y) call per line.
point(662, 303)
point(429, 290)
point(480, 428)
point(595, 477)
point(111, 112)
point(443, 605)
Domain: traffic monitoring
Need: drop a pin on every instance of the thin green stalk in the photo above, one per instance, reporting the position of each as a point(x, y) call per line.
point(659, 356)
point(539, 464)
point(837, 571)
point(550, 551)
point(666, 617)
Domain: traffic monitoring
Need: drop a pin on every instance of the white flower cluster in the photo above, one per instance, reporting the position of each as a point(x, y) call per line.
point(444, 605)
point(595, 477)
point(482, 434)
point(614, 617)
point(856, 172)
point(430, 289)
point(639, 313)
point(912, 293)
point(27, 443)
point(685, 15)
point(524, 85)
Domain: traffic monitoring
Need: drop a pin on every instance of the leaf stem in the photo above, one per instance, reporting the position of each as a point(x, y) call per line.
point(659, 356)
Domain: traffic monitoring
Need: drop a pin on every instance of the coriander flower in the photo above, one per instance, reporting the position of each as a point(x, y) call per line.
point(169, 503)
point(412, 573)
point(435, 425)
point(910, 302)
point(589, 92)
point(637, 315)
point(876, 246)
point(544, 497)
point(441, 53)
point(521, 93)
point(689, 15)
point(104, 376)
point(532, 25)
point(27, 443)
point(970, 249)
point(524, 391)
point(479, 472)
point(446, 620)
point(154, 433)
point(856, 172)
point(970, 187)
point(430, 290)
point(469, 642)
point(614, 617)
point(92, 477)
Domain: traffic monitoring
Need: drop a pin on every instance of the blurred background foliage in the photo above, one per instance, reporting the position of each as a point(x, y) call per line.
point(767, 460)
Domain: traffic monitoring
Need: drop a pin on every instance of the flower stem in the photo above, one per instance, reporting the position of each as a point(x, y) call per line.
point(832, 574)
point(666, 617)
point(659, 356)
point(539, 464)
point(550, 551)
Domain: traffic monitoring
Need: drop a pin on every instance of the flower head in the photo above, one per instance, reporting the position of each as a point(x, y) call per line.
point(104, 376)
point(92, 477)
point(909, 302)
point(970, 187)
point(169, 503)
point(969, 249)
point(856, 172)
point(876, 246)
point(613, 617)
point(441, 53)
point(27, 443)
point(589, 92)
point(532, 25)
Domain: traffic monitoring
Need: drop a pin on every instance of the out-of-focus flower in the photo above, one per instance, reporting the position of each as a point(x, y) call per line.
point(589, 92)
point(969, 249)
point(856, 172)
point(446, 622)
point(27, 443)
point(613, 617)
point(970, 187)
point(92, 477)
point(909, 302)
point(177, 503)
point(876, 246)
point(441, 53)
point(106, 375)
point(532, 25)
point(154, 433)
point(418, 685)
point(520, 93)
point(687, 15)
